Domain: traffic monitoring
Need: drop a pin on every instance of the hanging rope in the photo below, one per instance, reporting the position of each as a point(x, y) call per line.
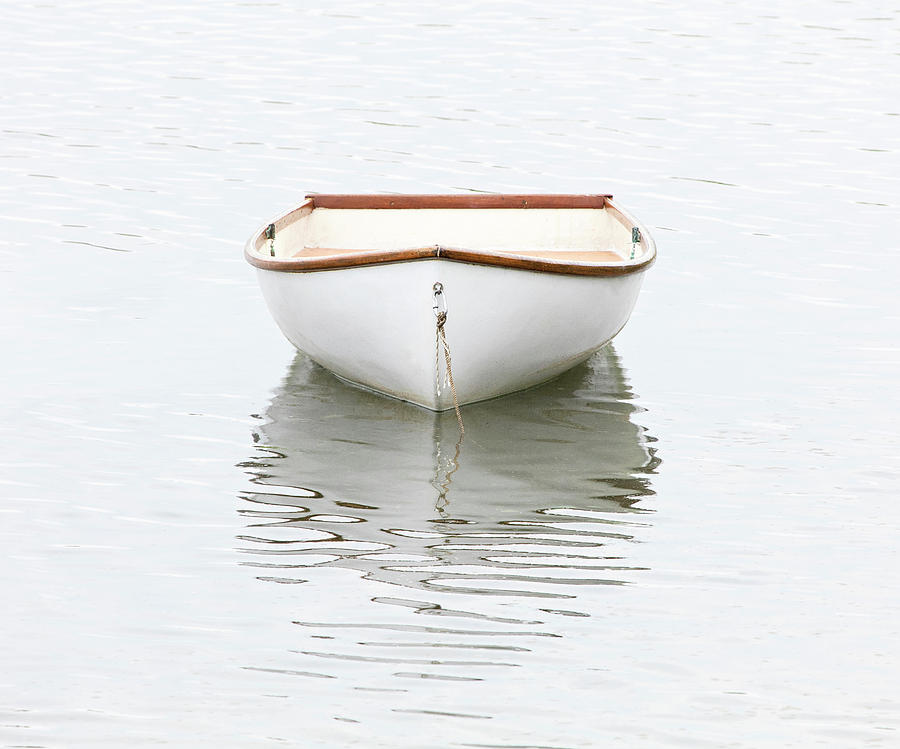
point(440, 311)
point(270, 235)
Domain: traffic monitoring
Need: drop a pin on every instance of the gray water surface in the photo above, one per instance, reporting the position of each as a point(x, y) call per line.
point(691, 540)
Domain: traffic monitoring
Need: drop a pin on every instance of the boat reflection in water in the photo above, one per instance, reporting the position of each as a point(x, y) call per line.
point(541, 495)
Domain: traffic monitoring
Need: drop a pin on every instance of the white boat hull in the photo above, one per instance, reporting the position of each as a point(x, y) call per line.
point(507, 329)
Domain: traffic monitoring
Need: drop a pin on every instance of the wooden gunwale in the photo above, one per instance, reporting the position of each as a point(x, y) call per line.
point(481, 200)
point(344, 259)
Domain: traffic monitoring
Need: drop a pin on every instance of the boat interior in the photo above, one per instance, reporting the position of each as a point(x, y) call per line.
point(569, 230)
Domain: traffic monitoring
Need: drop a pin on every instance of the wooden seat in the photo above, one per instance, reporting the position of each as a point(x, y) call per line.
point(571, 256)
point(313, 252)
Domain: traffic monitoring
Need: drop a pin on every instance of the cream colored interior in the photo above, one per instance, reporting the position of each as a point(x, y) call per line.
point(576, 233)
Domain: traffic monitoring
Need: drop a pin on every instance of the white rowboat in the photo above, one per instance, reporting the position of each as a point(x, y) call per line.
point(523, 287)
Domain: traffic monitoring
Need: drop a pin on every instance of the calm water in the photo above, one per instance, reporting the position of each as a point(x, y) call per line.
point(689, 541)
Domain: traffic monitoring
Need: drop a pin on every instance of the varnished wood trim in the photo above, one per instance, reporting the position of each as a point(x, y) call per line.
point(647, 243)
point(464, 200)
point(259, 239)
point(540, 265)
point(344, 259)
point(341, 259)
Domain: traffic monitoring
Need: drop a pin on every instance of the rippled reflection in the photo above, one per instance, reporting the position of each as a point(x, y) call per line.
point(541, 497)
point(465, 556)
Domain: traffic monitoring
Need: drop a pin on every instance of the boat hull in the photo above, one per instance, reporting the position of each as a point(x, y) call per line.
point(507, 329)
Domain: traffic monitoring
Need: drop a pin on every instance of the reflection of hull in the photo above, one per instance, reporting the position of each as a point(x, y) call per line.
point(348, 478)
point(567, 441)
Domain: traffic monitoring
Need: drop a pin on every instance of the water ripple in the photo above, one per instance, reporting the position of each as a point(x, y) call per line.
point(543, 494)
